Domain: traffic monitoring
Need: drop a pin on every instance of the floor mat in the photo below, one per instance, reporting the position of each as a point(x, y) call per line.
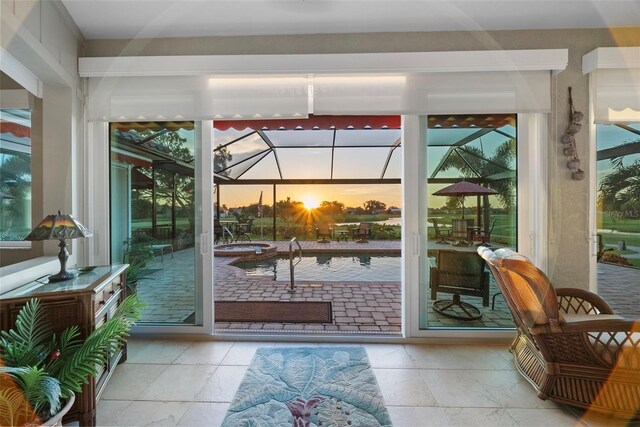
point(301, 386)
point(273, 312)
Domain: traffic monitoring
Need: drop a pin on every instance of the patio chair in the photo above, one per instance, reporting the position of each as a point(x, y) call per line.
point(323, 232)
point(482, 236)
point(244, 230)
point(569, 344)
point(459, 273)
point(218, 231)
point(441, 234)
point(362, 233)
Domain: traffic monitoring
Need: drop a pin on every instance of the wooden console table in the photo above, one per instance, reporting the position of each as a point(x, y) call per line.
point(87, 301)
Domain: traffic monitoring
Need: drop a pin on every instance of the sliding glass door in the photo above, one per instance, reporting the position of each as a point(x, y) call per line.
point(617, 233)
point(471, 192)
point(155, 219)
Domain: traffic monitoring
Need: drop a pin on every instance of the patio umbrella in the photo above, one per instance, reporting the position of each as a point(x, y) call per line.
point(464, 188)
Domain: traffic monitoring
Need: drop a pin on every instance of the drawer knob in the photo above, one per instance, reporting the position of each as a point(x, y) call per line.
point(111, 292)
point(101, 302)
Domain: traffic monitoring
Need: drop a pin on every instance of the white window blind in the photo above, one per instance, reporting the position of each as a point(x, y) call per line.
point(615, 73)
point(617, 96)
point(408, 83)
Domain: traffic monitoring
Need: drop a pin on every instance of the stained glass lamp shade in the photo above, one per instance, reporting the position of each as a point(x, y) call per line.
point(62, 227)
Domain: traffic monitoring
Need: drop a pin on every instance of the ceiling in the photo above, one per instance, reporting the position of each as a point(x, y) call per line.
point(117, 19)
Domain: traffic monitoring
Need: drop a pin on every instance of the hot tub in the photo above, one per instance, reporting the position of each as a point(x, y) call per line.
point(248, 251)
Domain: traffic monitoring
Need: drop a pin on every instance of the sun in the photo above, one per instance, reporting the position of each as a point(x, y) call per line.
point(310, 203)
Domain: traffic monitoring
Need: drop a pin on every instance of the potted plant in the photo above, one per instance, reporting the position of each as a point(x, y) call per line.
point(137, 253)
point(40, 371)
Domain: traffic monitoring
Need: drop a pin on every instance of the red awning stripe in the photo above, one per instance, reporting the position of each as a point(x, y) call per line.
point(313, 122)
point(326, 122)
point(20, 131)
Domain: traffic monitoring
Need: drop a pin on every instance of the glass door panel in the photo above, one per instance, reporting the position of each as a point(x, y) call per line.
point(471, 201)
point(618, 216)
point(153, 216)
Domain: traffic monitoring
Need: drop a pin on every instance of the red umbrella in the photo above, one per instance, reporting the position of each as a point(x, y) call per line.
point(464, 188)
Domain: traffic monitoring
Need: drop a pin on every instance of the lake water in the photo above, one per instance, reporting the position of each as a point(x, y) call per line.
point(391, 221)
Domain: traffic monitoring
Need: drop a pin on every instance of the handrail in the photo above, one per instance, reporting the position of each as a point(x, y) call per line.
point(291, 264)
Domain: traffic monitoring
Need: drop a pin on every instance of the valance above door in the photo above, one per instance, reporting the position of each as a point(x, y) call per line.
point(615, 74)
point(130, 89)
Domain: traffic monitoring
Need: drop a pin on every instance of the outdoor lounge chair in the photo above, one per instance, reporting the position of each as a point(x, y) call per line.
point(569, 344)
point(323, 232)
point(362, 233)
point(459, 273)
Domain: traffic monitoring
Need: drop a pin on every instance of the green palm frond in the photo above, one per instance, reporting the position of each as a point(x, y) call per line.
point(43, 383)
point(94, 352)
point(70, 342)
point(98, 347)
point(13, 407)
point(38, 387)
point(130, 309)
point(26, 344)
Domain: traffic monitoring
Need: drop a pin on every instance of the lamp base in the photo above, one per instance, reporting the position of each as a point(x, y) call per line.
point(63, 275)
point(63, 256)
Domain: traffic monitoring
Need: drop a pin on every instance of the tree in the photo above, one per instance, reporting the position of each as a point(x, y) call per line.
point(332, 209)
point(373, 206)
point(472, 162)
point(292, 213)
point(168, 182)
point(619, 190)
point(221, 159)
point(15, 185)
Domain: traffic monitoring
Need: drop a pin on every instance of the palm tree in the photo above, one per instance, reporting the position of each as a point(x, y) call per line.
point(619, 190)
point(473, 163)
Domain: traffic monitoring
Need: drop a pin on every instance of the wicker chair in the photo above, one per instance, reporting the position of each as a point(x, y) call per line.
point(569, 345)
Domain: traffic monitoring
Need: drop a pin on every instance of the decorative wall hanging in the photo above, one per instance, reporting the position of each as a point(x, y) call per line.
point(569, 141)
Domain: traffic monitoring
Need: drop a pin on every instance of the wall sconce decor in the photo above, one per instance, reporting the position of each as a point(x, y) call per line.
point(569, 141)
point(61, 227)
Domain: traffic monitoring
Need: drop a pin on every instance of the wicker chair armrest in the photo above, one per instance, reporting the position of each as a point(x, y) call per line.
point(573, 300)
point(608, 325)
point(591, 326)
point(610, 342)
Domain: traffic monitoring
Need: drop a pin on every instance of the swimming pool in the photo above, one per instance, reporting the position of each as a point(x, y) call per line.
point(329, 267)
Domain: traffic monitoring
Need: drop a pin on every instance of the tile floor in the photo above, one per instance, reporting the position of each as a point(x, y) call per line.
point(191, 383)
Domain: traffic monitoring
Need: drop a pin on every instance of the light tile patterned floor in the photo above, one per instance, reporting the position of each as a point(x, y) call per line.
point(191, 383)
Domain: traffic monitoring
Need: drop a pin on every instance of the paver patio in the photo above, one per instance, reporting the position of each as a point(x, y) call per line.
point(358, 307)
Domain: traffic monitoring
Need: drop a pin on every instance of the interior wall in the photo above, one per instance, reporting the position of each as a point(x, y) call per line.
point(569, 234)
point(43, 39)
point(13, 256)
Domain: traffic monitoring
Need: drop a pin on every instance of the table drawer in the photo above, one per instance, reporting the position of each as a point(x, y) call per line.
point(107, 294)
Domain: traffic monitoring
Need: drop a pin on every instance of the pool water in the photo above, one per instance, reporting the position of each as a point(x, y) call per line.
point(348, 268)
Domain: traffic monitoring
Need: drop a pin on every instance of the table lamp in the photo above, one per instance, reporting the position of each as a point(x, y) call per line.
point(62, 227)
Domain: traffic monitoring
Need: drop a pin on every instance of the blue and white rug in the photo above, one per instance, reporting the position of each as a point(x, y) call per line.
point(308, 387)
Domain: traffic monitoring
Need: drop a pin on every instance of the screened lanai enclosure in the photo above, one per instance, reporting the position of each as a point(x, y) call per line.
point(331, 182)
point(311, 170)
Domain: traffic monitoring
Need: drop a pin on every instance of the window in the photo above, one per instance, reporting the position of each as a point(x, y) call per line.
point(15, 176)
